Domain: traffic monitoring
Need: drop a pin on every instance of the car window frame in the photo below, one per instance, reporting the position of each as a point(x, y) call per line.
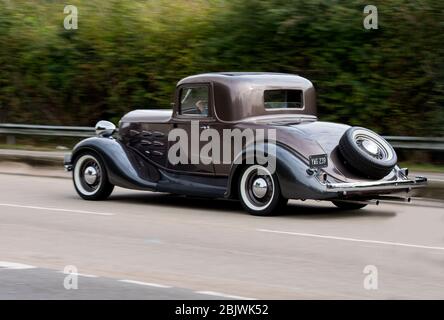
point(178, 103)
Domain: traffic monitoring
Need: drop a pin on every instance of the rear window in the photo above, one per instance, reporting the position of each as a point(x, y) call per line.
point(283, 99)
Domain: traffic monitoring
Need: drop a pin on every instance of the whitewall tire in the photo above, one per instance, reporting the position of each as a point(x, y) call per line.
point(90, 177)
point(259, 191)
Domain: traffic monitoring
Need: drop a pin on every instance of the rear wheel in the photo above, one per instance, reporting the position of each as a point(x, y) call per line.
point(349, 205)
point(90, 177)
point(259, 191)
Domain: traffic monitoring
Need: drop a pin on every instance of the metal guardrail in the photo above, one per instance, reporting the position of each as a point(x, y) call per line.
point(37, 130)
point(414, 143)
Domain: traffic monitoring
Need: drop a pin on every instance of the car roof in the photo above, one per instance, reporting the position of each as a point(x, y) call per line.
point(259, 78)
point(239, 95)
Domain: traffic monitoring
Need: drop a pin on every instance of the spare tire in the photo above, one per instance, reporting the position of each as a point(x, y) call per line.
point(367, 152)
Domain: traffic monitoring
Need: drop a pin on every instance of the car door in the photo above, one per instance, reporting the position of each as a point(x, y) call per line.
point(193, 114)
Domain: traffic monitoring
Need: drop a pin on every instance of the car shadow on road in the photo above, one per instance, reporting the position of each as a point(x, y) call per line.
point(297, 210)
point(301, 210)
point(179, 201)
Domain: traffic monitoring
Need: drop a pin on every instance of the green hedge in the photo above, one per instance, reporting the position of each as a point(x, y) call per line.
point(129, 54)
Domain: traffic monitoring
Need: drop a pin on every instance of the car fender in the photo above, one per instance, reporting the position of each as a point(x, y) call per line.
point(294, 180)
point(122, 165)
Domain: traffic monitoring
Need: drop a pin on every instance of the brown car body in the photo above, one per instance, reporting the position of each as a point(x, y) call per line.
point(138, 157)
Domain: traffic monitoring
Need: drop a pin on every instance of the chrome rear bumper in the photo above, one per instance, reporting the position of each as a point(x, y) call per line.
point(401, 183)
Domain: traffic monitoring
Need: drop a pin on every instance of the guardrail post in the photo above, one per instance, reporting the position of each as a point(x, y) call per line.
point(10, 139)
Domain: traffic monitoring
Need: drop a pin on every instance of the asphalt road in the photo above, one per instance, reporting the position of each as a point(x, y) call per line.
point(142, 245)
point(37, 284)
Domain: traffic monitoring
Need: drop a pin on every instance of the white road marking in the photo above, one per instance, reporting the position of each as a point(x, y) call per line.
point(152, 241)
point(145, 283)
point(79, 274)
point(399, 244)
point(55, 209)
point(218, 294)
point(15, 266)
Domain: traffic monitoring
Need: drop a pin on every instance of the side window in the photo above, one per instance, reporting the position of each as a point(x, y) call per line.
point(194, 101)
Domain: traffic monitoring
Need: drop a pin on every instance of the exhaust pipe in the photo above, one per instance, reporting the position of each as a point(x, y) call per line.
point(370, 201)
point(378, 199)
point(394, 199)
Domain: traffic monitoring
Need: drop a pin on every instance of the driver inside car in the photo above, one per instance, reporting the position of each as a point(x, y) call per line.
point(202, 107)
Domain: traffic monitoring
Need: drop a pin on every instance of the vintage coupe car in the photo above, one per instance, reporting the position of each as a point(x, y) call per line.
point(350, 166)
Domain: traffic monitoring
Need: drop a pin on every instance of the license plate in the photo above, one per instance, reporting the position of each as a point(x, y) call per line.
point(318, 161)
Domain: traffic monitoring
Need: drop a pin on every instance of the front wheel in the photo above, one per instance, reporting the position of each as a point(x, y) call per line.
point(259, 191)
point(90, 177)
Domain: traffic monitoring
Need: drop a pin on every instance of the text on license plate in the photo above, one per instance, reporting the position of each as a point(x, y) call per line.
point(318, 161)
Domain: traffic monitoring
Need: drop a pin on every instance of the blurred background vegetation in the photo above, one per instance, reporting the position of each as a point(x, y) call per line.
point(129, 54)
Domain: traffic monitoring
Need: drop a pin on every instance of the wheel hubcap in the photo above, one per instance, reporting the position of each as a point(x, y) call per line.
point(257, 187)
point(90, 175)
point(260, 188)
point(87, 175)
point(371, 147)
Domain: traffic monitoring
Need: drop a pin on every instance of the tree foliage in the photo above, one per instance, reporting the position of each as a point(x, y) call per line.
point(129, 54)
